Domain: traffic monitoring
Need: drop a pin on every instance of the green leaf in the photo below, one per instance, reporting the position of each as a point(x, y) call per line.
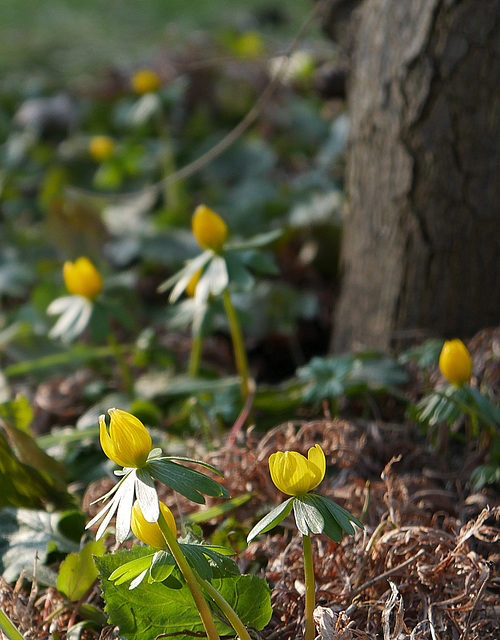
point(151, 608)
point(307, 517)
point(162, 565)
point(78, 571)
point(130, 570)
point(257, 241)
point(26, 534)
point(272, 519)
point(188, 482)
point(208, 561)
point(336, 518)
point(23, 485)
point(249, 596)
point(180, 280)
point(239, 275)
point(219, 509)
point(17, 413)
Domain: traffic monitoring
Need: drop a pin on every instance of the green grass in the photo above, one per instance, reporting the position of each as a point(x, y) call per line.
point(64, 37)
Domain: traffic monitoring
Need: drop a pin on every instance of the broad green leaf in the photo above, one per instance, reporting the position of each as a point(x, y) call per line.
point(24, 486)
point(154, 608)
point(78, 571)
point(308, 518)
point(249, 596)
point(188, 482)
point(272, 519)
point(219, 509)
point(17, 413)
point(26, 534)
point(331, 527)
point(150, 608)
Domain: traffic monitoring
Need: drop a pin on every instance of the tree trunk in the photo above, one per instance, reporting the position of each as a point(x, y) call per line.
point(421, 245)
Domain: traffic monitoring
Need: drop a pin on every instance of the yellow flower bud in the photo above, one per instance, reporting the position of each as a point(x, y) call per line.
point(294, 474)
point(101, 148)
point(145, 81)
point(82, 278)
point(128, 442)
point(209, 229)
point(455, 362)
point(150, 532)
point(190, 289)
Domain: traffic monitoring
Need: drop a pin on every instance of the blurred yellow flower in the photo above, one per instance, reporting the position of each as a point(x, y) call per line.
point(250, 45)
point(101, 148)
point(296, 475)
point(82, 278)
point(150, 532)
point(209, 229)
point(455, 362)
point(145, 81)
point(128, 442)
point(190, 289)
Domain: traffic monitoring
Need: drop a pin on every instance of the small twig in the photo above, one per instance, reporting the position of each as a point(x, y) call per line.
point(244, 413)
point(485, 579)
point(364, 586)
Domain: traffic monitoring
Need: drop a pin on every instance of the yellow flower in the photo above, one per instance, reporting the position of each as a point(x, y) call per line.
point(190, 289)
point(455, 362)
point(101, 148)
point(145, 81)
point(82, 278)
point(209, 229)
point(150, 532)
point(294, 474)
point(128, 443)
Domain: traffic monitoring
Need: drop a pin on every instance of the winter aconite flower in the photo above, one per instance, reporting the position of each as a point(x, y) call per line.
point(101, 148)
point(150, 532)
point(209, 229)
point(145, 81)
point(455, 362)
point(82, 278)
point(296, 475)
point(127, 443)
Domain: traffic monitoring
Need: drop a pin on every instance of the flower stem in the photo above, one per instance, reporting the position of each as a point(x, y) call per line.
point(189, 576)
point(226, 609)
point(127, 380)
point(310, 632)
point(238, 344)
point(195, 355)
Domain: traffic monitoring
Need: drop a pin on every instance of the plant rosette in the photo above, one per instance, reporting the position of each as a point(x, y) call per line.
point(297, 476)
point(128, 443)
point(222, 262)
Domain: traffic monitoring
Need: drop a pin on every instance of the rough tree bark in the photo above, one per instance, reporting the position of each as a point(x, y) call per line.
point(421, 246)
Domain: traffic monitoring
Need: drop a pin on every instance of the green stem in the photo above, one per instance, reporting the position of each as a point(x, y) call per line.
point(310, 632)
point(128, 382)
point(189, 576)
point(226, 609)
point(8, 627)
point(238, 344)
point(195, 355)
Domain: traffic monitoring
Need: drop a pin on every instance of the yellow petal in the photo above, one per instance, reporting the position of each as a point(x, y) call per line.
point(150, 532)
point(209, 229)
point(317, 464)
point(128, 442)
point(82, 278)
point(455, 362)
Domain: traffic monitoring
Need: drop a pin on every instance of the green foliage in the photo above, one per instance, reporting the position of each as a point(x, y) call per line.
point(160, 607)
point(332, 377)
point(78, 572)
point(27, 534)
point(313, 513)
